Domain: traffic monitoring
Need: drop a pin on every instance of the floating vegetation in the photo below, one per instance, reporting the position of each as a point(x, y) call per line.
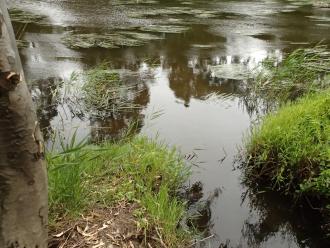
point(108, 41)
point(175, 11)
point(141, 36)
point(133, 2)
point(165, 29)
point(315, 3)
point(231, 71)
point(22, 16)
point(94, 40)
point(320, 18)
point(321, 3)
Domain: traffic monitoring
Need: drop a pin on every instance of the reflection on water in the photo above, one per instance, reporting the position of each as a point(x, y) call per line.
point(276, 217)
point(117, 125)
point(202, 114)
point(46, 100)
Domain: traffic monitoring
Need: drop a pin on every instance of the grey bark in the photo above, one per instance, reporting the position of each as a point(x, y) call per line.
point(23, 177)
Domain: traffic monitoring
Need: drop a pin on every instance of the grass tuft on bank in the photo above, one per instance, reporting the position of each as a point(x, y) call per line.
point(290, 151)
point(137, 171)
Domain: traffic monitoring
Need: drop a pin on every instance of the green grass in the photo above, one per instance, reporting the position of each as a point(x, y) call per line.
point(137, 170)
point(290, 151)
point(101, 92)
point(301, 72)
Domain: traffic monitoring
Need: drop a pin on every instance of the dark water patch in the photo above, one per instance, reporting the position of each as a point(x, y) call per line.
point(266, 37)
point(277, 213)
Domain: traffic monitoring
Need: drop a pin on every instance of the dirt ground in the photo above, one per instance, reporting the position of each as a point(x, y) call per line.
point(104, 228)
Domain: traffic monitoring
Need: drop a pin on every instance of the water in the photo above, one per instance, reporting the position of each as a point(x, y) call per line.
point(206, 117)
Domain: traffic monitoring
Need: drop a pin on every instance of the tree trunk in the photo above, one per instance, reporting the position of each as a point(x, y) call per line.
point(23, 177)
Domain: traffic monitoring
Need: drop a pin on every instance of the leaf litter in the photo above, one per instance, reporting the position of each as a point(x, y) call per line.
point(103, 228)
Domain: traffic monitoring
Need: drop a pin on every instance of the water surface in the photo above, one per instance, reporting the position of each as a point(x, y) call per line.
point(207, 117)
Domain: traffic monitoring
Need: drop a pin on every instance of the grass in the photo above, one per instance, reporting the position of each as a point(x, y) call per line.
point(290, 151)
point(22, 16)
point(101, 92)
point(301, 72)
point(137, 171)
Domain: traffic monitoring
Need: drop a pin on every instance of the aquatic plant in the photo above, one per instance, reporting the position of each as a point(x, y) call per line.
point(100, 92)
point(108, 41)
point(22, 16)
point(104, 93)
point(303, 71)
point(165, 29)
point(177, 11)
point(22, 44)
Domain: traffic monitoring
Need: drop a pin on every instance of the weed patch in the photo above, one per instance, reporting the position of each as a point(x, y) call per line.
point(290, 151)
point(138, 171)
point(108, 41)
point(302, 71)
point(21, 16)
point(100, 92)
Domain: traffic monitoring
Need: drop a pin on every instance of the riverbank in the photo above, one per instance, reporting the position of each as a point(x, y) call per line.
point(290, 151)
point(120, 194)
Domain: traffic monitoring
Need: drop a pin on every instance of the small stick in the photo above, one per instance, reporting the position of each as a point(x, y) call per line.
point(202, 240)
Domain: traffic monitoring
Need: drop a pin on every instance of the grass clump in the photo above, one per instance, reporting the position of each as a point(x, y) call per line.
point(138, 171)
point(301, 72)
point(290, 151)
point(101, 92)
point(104, 91)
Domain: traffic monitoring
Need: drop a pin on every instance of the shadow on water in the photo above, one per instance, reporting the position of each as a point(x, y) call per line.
point(203, 113)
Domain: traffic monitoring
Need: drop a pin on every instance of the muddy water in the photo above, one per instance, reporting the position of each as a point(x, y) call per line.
point(205, 116)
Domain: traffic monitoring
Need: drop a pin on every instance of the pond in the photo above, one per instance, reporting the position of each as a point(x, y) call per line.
point(187, 61)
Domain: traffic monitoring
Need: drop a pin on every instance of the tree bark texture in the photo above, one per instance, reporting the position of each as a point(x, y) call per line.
point(23, 177)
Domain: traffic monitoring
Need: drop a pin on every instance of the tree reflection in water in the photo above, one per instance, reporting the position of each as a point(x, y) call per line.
point(278, 217)
point(46, 98)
